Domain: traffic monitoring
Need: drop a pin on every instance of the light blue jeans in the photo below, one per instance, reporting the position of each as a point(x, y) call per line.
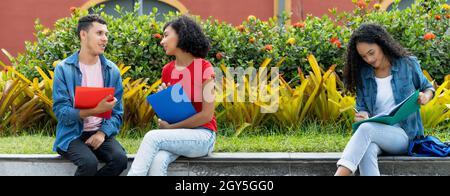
point(163, 146)
point(369, 141)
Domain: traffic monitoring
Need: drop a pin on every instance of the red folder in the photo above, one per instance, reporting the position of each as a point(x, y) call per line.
point(90, 97)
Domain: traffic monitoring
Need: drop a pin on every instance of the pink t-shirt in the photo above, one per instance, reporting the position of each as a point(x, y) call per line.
point(92, 76)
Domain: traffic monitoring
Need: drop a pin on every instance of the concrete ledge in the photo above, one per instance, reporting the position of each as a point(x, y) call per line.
point(236, 164)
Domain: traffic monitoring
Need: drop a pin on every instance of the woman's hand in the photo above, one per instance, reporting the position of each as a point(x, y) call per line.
point(163, 86)
point(164, 124)
point(361, 116)
point(424, 98)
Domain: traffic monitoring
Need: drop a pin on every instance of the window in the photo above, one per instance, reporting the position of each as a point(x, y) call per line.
point(405, 4)
point(128, 5)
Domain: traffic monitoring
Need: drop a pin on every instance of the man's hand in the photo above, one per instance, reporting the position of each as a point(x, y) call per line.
point(361, 116)
point(106, 105)
point(96, 140)
point(102, 107)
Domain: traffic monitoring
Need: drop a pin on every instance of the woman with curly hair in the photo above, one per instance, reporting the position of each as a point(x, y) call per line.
point(382, 73)
point(195, 136)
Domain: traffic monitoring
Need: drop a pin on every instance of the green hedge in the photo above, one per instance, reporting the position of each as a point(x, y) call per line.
point(134, 40)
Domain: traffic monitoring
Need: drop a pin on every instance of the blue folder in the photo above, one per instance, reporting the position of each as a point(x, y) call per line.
point(170, 104)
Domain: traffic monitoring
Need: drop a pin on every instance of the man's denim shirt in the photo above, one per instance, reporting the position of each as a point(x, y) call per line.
point(70, 125)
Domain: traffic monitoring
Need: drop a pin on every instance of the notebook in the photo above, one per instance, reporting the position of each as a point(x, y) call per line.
point(172, 104)
point(90, 97)
point(400, 112)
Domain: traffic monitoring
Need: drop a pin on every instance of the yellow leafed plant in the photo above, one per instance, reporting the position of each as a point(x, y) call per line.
point(436, 114)
point(20, 105)
point(241, 113)
point(317, 92)
point(24, 102)
point(137, 111)
point(330, 105)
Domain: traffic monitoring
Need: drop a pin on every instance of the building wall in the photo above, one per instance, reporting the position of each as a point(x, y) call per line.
point(232, 11)
point(17, 20)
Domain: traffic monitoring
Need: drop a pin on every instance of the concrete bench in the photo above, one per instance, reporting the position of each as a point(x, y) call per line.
point(236, 164)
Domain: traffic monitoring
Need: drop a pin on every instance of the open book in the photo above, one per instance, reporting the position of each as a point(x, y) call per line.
point(400, 112)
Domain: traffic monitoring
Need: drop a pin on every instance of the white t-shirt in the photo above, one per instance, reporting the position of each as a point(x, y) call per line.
point(92, 76)
point(385, 97)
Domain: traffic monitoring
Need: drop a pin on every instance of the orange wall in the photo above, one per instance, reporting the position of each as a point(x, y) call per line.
point(17, 20)
point(232, 11)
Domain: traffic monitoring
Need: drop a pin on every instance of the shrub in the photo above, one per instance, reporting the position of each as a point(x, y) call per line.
point(134, 40)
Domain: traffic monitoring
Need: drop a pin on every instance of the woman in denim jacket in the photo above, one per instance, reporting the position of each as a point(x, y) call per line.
point(383, 74)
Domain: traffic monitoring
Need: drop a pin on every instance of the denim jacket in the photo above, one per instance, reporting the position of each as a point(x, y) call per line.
point(407, 77)
point(70, 125)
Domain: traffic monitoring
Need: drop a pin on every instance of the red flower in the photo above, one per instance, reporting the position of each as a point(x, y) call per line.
point(299, 25)
point(447, 16)
point(362, 4)
point(73, 9)
point(157, 36)
point(252, 40)
point(268, 47)
point(219, 55)
point(336, 42)
point(429, 36)
point(4, 69)
point(241, 28)
point(438, 17)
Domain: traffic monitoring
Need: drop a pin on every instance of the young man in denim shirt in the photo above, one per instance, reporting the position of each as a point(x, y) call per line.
point(81, 137)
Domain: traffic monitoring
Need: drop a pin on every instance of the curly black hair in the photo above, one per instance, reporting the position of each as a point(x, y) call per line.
point(372, 34)
point(191, 38)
